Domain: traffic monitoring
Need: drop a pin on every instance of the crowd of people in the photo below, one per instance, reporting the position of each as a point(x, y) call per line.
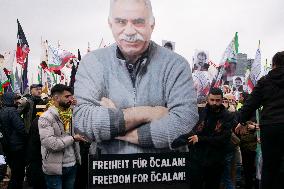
point(138, 97)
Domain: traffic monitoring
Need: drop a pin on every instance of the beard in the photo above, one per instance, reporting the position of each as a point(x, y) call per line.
point(65, 105)
point(215, 108)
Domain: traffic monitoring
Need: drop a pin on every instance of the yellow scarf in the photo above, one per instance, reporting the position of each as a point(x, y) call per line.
point(64, 115)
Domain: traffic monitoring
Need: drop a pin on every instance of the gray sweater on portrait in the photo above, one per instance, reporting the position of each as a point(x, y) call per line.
point(164, 80)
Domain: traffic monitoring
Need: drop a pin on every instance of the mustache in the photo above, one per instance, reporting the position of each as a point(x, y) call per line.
point(132, 38)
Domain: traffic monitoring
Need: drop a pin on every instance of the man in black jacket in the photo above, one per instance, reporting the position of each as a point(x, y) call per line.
point(34, 159)
point(28, 107)
point(269, 94)
point(15, 134)
point(210, 142)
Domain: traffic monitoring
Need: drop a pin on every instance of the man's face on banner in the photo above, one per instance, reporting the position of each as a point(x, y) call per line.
point(201, 59)
point(231, 69)
point(238, 82)
point(131, 26)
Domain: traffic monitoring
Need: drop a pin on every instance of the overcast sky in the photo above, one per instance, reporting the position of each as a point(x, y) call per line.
point(192, 24)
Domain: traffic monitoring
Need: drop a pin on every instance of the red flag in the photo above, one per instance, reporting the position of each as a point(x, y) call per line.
point(22, 46)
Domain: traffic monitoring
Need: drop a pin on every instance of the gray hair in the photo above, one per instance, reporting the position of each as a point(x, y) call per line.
point(148, 5)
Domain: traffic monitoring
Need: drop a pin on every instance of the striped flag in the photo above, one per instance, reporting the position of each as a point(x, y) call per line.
point(8, 69)
point(39, 74)
point(57, 58)
point(22, 47)
point(228, 56)
point(22, 56)
point(4, 81)
point(255, 73)
point(17, 84)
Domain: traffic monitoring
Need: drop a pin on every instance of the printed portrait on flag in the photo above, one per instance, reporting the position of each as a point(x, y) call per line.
point(201, 83)
point(238, 83)
point(230, 70)
point(200, 60)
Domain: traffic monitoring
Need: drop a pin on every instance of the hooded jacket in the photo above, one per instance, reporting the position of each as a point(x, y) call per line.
point(12, 124)
point(268, 93)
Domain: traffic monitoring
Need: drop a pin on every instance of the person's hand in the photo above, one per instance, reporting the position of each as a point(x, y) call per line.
point(107, 103)
point(78, 138)
point(193, 139)
point(157, 112)
point(241, 129)
point(131, 137)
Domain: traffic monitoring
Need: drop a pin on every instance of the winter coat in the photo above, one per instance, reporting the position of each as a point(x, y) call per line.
point(55, 143)
point(214, 135)
point(13, 124)
point(268, 93)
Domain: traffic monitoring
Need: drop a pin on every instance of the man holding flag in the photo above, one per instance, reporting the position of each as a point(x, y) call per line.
point(269, 93)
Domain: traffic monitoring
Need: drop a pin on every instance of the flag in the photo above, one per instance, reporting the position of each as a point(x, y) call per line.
point(22, 56)
point(62, 78)
point(201, 84)
point(22, 47)
point(24, 85)
point(9, 61)
point(17, 83)
point(229, 55)
point(4, 81)
point(267, 68)
point(74, 70)
point(57, 58)
point(255, 72)
point(8, 69)
point(39, 74)
point(44, 55)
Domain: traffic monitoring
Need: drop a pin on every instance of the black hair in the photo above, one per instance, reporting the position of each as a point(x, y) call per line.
point(278, 59)
point(60, 88)
point(169, 45)
point(216, 91)
point(1, 56)
point(238, 78)
point(202, 54)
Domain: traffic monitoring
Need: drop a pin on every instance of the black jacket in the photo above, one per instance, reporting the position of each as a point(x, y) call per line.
point(34, 145)
point(3, 167)
point(214, 136)
point(269, 93)
point(28, 110)
point(12, 124)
